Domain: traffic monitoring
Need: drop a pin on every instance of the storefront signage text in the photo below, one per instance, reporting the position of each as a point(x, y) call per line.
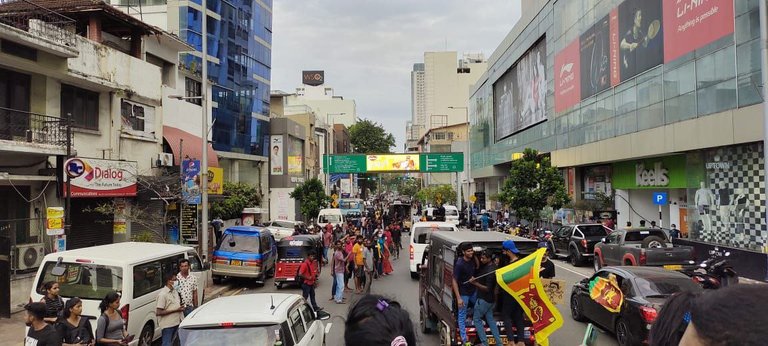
point(656, 176)
point(101, 178)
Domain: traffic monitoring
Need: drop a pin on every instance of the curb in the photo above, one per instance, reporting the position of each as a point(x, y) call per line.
point(215, 293)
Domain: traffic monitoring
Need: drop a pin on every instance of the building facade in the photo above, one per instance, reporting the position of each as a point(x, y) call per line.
point(418, 97)
point(630, 104)
point(446, 81)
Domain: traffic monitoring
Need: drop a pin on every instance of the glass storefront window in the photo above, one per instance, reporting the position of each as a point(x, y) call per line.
point(750, 91)
point(717, 98)
point(626, 100)
point(604, 106)
point(650, 117)
point(748, 57)
point(715, 68)
point(680, 108)
point(748, 26)
point(681, 80)
point(626, 123)
point(743, 6)
point(649, 91)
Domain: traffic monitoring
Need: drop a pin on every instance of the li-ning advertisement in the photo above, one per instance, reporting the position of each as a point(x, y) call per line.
point(694, 24)
point(100, 178)
point(641, 38)
point(567, 77)
point(276, 155)
point(595, 57)
point(392, 163)
point(519, 96)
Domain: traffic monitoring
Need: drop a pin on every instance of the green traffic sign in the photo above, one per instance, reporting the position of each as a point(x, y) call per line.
point(441, 162)
point(344, 163)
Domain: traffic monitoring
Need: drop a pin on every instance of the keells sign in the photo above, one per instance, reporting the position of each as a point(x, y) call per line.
point(100, 178)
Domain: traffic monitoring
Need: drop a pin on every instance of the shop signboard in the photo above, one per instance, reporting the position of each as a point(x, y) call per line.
point(100, 178)
point(215, 181)
point(654, 173)
point(189, 221)
point(567, 77)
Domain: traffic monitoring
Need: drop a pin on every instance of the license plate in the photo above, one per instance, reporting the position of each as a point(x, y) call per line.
point(492, 340)
point(673, 267)
point(235, 262)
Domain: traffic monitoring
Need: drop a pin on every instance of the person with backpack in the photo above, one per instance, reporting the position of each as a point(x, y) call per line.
point(307, 276)
point(73, 328)
point(110, 327)
point(54, 305)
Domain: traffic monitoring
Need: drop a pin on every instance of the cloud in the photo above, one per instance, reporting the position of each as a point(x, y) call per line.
point(367, 48)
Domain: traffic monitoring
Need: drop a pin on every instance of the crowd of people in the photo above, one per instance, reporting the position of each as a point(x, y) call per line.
point(52, 322)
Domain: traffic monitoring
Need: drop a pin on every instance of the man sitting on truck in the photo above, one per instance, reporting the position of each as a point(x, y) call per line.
point(464, 291)
point(511, 310)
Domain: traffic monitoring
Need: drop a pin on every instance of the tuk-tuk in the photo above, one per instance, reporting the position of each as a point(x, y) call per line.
point(437, 307)
point(291, 252)
point(402, 211)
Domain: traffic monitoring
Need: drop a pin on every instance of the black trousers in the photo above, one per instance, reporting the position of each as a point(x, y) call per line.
point(513, 316)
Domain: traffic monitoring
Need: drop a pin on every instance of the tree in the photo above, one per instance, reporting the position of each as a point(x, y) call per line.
point(437, 194)
point(237, 196)
point(311, 196)
point(533, 184)
point(409, 187)
point(369, 137)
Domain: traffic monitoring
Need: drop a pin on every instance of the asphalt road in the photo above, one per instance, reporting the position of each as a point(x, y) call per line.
point(399, 286)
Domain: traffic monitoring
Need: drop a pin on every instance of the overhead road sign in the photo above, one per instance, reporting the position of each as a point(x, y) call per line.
point(424, 163)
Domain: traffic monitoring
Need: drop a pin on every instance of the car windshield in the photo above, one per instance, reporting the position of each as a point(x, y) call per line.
point(329, 218)
point(83, 280)
point(238, 242)
point(664, 286)
point(259, 335)
point(593, 231)
point(641, 235)
point(420, 233)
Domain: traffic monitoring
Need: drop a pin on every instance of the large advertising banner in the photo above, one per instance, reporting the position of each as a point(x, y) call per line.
point(567, 77)
point(595, 58)
point(276, 155)
point(295, 157)
point(694, 24)
point(641, 42)
point(520, 94)
point(190, 175)
point(100, 178)
point(392, 163)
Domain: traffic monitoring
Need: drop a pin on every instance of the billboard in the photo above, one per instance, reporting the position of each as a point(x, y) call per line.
point(313, 77)
point(519, 96)
point(295, 156)
point(276, 155)
point(567, 77)
point(100, 178)
point(215, 181)
point(641, 38)
point(694, 24)
point(392, 163)
point(594, 52)
point(190, 175)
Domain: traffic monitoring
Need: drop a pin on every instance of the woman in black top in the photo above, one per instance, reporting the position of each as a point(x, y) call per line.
point(53, 302)
point(73, 328)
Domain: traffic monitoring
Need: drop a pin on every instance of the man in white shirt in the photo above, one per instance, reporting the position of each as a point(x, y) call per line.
point(169, 310)
point(187, 287)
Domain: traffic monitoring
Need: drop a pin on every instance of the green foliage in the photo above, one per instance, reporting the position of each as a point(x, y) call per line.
point(533, 184)
point(311, 196)
point(238, 196)
point(368, 137)
point(437, 194)
point(146, 237)
point(409, 187)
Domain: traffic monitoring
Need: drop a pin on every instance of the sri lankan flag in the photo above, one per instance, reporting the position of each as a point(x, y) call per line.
point(521, 280)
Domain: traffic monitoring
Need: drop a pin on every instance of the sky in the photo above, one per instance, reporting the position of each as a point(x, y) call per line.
point(367, 48)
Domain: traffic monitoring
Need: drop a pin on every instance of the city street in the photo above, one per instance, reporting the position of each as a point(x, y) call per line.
point(402, 288)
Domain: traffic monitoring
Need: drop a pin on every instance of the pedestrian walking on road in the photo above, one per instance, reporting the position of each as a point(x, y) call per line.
point(339, 266)
point(54, 305)
point(359, 261)
point(308, 272)
point(465, 292)
point(72, 328)
point(169, 309)
point(327, 242)
point(486, 299)
point(40, 333)
point(187, 287)
point(674, 233)
point(369, 265)
point(378, 321)
point(110, 326)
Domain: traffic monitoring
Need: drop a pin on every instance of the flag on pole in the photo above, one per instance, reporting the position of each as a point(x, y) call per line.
point(521, 280)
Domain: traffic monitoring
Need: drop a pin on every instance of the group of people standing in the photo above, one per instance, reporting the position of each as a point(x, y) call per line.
point(54, 322)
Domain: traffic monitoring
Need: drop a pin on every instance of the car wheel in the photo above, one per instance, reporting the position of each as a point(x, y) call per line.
point(623, 336)
point(597, 263)
point(445, 335)
point(217, 279)
point(424, 321)
point(576, 309)
point(147, 333)
point(415, 276)
point(575, 257)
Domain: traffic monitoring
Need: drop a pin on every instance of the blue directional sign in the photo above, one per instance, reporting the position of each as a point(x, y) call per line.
point(660, 198)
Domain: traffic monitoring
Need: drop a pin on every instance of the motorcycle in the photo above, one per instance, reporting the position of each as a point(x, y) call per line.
point(714, 272)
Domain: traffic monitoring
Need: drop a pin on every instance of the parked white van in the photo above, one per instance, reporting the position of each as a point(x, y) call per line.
point(451, 214)
point(332, 216)
point(133, 269)
point(419, 233)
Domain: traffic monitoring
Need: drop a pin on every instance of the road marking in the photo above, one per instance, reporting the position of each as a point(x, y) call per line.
point(571, 270)
point(328, 327)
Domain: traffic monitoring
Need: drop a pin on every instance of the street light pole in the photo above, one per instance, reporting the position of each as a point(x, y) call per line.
point(204, 158)
point(458, 183)
point(764, 68)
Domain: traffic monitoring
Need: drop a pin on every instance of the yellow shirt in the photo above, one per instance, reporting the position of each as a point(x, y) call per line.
point(357, 250)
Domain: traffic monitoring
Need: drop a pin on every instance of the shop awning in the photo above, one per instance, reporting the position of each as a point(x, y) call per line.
point(190, 148)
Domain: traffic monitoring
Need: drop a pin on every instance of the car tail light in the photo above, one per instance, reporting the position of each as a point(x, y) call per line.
point(124, 311)
point(227, 324)
point(254, 263)
point(584, 243)
point(220, 260)
point(648, 314)
point(643, 257)
point(410, 250)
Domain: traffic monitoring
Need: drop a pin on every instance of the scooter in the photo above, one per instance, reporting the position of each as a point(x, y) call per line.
point(715, 272)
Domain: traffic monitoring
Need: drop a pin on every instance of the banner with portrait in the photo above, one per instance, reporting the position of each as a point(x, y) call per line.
point(276, 155)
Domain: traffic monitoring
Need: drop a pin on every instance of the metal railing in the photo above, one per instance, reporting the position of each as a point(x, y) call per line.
point(21, 126)
point(38, 20)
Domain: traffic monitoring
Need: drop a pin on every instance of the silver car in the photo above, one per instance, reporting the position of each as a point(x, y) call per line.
point(283, 228)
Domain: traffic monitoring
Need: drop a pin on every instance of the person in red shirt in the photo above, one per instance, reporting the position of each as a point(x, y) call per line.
point(308, 272)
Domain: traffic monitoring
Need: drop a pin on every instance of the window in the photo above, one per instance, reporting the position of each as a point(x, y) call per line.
point(84, 280)
point(438, 135)
point(21, 51)
point(307, 314)
point(14, 94)
point(450, 136)
point(147, 278)
point(137, 118)
point(297, 325)
point(195, 264)
point(82, 104)
point(192, 88)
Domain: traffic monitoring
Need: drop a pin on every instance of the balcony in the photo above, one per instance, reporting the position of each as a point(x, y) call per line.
point(28, 23)
point(28, 132)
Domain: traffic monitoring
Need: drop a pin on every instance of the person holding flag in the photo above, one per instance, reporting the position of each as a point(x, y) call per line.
point(464, 291)
point(510, 309)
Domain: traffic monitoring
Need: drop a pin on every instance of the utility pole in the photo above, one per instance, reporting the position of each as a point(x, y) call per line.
point(204, 137)
point(764, 69)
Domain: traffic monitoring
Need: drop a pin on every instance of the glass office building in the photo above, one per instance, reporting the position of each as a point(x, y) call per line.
point(239, 49)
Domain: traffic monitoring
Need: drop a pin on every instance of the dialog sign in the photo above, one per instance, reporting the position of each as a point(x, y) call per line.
point(660, 198)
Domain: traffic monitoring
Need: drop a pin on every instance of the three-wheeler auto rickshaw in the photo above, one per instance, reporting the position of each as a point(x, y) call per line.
point(291, 252)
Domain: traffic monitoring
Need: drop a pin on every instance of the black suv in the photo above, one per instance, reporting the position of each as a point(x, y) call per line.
point(577, 242)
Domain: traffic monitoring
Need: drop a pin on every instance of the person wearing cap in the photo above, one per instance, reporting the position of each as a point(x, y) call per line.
point(512, 313)
point(486, 299)
point(547, 270)
point(485, 220)
point(465, 292)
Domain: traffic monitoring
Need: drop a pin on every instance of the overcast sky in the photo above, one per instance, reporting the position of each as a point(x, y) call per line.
point(368, 47)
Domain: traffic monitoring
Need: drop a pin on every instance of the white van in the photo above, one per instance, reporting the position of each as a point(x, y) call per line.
point(419, 239)
point(134, 269)
point(451, 214)
point(332, 216)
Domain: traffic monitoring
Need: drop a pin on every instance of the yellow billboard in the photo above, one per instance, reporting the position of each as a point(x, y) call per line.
point(294, 165)
point(392, 163)
point(215, 181)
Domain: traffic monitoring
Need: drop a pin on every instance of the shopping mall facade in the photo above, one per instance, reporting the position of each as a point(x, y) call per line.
point(634, 97)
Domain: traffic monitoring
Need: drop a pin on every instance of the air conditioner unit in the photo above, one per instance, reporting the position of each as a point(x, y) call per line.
point(28, 256)
point(165, 160)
